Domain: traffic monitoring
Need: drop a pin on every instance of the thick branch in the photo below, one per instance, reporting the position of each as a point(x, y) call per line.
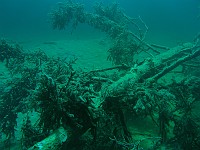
point(53, 142)
point(74, 13)
point(174, 65)
point(150, 67)
point(121, 67)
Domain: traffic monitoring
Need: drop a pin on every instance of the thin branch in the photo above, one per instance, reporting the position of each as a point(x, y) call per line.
point(122, 67)
point(160, 46)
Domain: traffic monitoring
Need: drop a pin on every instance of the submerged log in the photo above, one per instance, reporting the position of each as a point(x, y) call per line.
point(53, 142)
point(153, 68)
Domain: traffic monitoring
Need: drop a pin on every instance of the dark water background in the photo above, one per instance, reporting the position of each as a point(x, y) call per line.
point(168, 20)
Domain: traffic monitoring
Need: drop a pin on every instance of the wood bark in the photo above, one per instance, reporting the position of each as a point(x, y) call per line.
point(149, 71)
point(52, 142)
point(153, 68)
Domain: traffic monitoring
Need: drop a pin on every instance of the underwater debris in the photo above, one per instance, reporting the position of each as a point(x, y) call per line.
point(92, 108)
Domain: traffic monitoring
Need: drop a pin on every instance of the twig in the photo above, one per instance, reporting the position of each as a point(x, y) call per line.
point(144, 35)
point(123, 67)
point(160, 46)
point(138, 28)
point(143, 42)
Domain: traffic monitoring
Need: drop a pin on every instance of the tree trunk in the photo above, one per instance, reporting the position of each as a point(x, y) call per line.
point(151, 67)
point(52, 142)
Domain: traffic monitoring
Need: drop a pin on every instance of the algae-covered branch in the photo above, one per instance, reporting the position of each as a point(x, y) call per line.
point(111, 20)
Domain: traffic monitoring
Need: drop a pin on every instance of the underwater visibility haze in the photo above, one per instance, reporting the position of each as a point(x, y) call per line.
point(100, 75)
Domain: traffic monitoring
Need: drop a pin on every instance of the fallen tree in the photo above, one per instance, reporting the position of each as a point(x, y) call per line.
point(54, 141)
point(154, 68)
point(89, 110)
point(138, 90)
point(111, 20)
point(137, 93)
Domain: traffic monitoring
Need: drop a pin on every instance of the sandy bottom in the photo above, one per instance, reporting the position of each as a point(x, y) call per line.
point(90, 51)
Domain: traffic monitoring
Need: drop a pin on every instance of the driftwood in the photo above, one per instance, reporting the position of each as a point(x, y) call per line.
point(147, 72)
point(153, 68)
point(54, 141)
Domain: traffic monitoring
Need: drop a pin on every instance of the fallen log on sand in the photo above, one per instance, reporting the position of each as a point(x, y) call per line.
point(148, 72)
point(153, 68)
point(53, 142)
